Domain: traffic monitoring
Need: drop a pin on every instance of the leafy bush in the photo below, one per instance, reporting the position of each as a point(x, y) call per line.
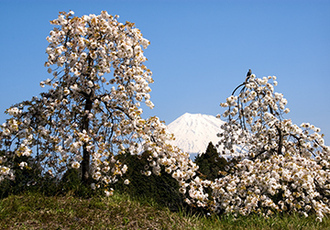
point(211, 165)
point(26, 177)
point(163, 188)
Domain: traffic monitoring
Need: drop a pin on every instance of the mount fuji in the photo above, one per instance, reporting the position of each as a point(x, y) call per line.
point(193, 132)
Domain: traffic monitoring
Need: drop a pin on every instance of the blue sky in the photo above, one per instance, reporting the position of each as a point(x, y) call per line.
point(200, 51)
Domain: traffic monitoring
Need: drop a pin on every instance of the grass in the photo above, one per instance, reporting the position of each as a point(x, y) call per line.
point(36, 211)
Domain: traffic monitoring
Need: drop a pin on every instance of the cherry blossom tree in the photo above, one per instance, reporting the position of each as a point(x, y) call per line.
point(281, 166)
point(91, 111)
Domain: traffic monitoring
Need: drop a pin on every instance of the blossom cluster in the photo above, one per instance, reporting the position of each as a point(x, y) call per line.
point(256, 124)
point(281, 166)
point(91, 111)
point(278, 184)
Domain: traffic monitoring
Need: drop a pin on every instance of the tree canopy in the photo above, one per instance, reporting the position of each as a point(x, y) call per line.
point(280, 166)
point(91, 111)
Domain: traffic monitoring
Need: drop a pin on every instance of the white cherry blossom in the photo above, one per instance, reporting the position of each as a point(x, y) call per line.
point(281, 166)
point(91, 110)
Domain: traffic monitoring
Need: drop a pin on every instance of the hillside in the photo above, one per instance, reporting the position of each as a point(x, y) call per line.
point(36, 211)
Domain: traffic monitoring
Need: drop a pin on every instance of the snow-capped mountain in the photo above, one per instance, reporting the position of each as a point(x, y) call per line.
point(193, 132)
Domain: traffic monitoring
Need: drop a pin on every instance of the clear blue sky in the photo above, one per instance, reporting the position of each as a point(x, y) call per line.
point(200, 51)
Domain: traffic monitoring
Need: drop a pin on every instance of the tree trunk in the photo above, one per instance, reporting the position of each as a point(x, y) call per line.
point(86, 155)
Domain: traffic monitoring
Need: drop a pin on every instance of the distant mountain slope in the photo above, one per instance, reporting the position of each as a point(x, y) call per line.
point(193, 132)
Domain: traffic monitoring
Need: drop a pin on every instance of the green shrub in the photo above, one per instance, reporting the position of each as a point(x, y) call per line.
point(211, 165)
point(163, 189)
point(26, 178)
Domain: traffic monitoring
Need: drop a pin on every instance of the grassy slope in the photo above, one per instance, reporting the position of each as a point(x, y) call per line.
point(35, 211)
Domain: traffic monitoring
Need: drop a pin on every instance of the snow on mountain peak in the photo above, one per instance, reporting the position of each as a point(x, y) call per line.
point(193, 132)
